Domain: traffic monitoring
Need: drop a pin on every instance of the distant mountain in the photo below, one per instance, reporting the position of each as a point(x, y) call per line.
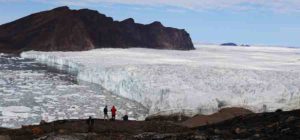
point(234, 44)
point(62, 29)
point(229, 44)
point(245, 45)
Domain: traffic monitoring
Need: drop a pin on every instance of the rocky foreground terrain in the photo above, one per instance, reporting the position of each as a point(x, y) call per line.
point(245, 125)
point(63, 29)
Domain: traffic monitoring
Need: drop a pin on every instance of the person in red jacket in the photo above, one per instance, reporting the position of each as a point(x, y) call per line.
point(113, 113)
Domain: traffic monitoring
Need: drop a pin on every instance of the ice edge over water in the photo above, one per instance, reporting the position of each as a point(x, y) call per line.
point(30, 92)
point(200, 81)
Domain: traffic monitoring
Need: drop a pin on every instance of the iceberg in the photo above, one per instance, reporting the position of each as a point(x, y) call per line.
point(200, 81)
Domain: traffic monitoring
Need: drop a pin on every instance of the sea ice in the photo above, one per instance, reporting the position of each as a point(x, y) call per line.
point(30, 93)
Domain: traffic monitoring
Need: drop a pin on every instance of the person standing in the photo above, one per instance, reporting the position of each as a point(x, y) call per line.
point(113, 113)
point(125, 117)
point(105, 113)
point(90, 123)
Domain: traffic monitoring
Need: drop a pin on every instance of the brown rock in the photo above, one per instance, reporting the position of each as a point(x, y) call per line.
point(290, 119)
point(222, 115)
point(62, 29)
point(4, 137)
point(276, 124)
point(61, 131)
point(217, 131)
point(42, 122)
point(37, 131)
point(240, 131)
point(237, 130)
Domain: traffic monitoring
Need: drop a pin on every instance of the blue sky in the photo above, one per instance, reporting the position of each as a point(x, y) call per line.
point(263, 22)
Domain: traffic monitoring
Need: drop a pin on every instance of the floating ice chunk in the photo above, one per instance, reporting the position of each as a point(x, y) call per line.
point(16, 109)
point(89, 114)
point(100, 96)
point(8, 125)
point(2, 82)
point(12, 100)
point(16, 112)
point(8, 90)
point(131, 119)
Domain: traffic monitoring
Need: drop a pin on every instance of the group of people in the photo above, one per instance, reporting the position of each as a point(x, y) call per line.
point(113, 110)
point(113, 114)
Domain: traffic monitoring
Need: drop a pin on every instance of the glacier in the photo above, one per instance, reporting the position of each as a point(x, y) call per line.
point(200, 81)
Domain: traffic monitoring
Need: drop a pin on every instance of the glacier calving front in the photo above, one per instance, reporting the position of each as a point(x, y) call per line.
point(199, 81)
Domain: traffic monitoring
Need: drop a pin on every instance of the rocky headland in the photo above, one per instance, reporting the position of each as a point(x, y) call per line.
point(63, 29)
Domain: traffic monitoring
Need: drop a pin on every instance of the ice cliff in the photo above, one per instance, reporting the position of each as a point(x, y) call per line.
point(198, 81)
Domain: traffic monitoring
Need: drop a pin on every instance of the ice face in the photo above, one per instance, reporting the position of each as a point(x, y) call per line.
point(30, 92)
point(198, 81)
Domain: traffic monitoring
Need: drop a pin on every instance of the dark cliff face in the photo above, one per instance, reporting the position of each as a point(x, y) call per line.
point(62, 29)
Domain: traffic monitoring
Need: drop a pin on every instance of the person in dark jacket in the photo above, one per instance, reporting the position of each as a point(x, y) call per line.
point(105, 113)
point(90, 123)
point(113, 113)
point(125, 117)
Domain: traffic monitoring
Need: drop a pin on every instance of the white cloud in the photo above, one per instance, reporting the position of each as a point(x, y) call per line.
point(274, 5)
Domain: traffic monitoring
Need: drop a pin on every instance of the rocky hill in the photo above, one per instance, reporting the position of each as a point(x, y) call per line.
point(62, 29)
